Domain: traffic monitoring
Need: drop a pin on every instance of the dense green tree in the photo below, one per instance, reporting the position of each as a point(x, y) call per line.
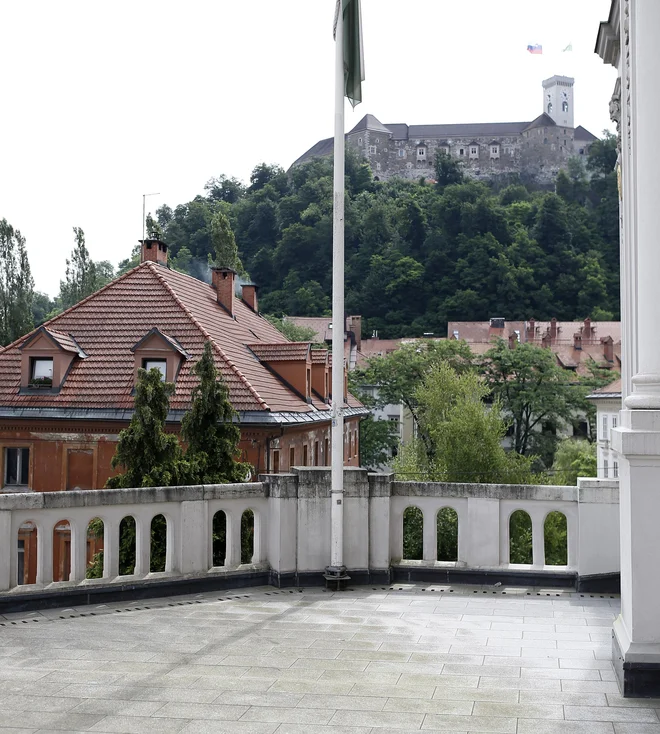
point(210, 430)
point(224, 243)
point(447, 170)
point(378, 438)
point(83, 275)
point(292, 331)
point(147, 455)
point(464, 434)
point(534, 391)
point(574, 458)
point(16, 285)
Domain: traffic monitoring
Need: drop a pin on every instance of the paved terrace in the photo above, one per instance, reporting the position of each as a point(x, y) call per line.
point(370, 660)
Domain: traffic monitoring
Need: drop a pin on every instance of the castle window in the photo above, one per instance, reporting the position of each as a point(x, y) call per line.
point(408, 165)
point(402, 153)
point(564, 106)
point(359, 141)
point(421, 151)
point(372, 149)
point(378, 166)
point(378, 140)
point(549, 108)
point(461, 151)
point(545, 141)
point(581, 151)
point(473, 151)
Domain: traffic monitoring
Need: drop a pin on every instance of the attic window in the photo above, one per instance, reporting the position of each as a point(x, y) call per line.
point(41, 371)
point(402, 153)
point(156, 364)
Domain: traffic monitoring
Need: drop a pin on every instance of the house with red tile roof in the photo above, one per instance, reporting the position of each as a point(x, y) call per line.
point(66, 389)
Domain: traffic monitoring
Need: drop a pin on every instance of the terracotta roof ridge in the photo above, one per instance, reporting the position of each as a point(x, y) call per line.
point(72, 308)
point(216, 346)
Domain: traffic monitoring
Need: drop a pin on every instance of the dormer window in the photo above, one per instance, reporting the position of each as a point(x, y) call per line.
point(159, 351)
point(41, 371)
point(156, 364)
point(47, 357)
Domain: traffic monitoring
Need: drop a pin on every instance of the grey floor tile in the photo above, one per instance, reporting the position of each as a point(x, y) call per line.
point(288, 715)
point(637, 728)
point(475, 723)
point(377, 719)
point(611, 713)
point(138, 725)
point(519, 710)
point(201, 711)
point(537, 726)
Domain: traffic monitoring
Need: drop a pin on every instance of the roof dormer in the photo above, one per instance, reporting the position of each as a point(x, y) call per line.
point(290, 361)
point(321, 374)
point(159, 351)
point(46, 358)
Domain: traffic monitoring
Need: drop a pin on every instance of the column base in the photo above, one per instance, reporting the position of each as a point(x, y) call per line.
point(336, 578)
point(637, 665)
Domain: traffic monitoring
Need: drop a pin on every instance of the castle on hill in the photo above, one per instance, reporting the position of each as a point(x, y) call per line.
point(536, 149)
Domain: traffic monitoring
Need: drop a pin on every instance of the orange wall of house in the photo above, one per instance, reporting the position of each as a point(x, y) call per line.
point(49, 445)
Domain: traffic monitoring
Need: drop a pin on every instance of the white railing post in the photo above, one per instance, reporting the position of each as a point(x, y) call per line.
point(233, 557)
point(45, 551)
point(429, 542)
point(78, 551)
point(538, 540)
point(6, 554)
point(110, 549)
point(192, 540)
point(142, 543)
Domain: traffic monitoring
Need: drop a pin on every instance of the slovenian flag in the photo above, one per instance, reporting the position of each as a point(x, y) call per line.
point(535, 48)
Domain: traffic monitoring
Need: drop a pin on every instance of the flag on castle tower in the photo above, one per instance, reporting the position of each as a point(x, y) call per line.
point(535, 48)
point(568, 48)
point(353, 54)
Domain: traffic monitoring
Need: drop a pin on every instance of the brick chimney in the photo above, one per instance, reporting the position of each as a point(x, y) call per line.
point(250, 296)
point(153, 250)
point(223, 282)
point(546, 339)
point(608, 348)
point(587, 328)
point(354, 324)
point(577, 340)
point(531, 330)
point(553, 329)
point(513, 339)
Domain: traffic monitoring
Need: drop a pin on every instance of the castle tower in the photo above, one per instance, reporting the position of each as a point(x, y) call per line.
point(558, 99)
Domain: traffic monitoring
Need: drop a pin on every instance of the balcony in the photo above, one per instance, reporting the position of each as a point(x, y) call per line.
point(45, 537)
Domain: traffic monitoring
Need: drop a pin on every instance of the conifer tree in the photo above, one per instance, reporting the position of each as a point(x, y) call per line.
point(209, 430)
point(149, 456)
point(224, 243)
point(80, 280)
point(16, 285)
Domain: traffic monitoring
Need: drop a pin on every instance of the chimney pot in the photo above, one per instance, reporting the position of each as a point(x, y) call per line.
point(577, 340)
point(223, 282)
point(546, 339)
point(587, 327)
point(250, 296)
point(608, 348)
point(154, 251)
point(553, 329)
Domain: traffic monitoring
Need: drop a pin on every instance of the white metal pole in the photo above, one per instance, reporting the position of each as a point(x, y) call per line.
point(337, 486)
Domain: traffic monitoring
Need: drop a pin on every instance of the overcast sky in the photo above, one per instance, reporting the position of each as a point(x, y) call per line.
point(105, 101)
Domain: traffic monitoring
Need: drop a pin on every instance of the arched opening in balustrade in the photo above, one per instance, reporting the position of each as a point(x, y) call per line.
point(247, 536)
point(219, 538)
point(555, 539)
point(62, 551)
point(26, 559)
point(520, 537)
point(127, 546)
point(447, 534)
point(158, 552)
point(413, 534)
point(94, 554)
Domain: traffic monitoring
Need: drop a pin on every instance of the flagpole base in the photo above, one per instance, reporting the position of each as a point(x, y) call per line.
point(336, 578)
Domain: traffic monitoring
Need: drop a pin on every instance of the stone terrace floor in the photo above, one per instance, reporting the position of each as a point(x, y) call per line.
point(370, 660)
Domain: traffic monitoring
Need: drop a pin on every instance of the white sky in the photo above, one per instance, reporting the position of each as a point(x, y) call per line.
point(104, 101)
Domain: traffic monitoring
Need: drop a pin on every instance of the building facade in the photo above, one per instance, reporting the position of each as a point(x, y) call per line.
point(608, 406)
point(536, 149)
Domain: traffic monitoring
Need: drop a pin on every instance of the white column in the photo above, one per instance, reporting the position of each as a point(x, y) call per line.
point(110, 548)
point(538, 539)
point(195, 539)
point(636, 643)
point(7, 552)
point(45, 552)
point(78, 550)
point(142, 544)
point(429, 542)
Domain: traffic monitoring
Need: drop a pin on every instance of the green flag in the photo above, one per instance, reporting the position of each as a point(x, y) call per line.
point(353, 58)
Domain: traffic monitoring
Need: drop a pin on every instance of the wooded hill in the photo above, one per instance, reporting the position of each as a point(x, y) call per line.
point(418, 253)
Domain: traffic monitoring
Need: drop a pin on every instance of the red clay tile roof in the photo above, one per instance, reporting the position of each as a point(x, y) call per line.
point(64, 341)
point(108, 323)
point(319, 356)
point(282, 352)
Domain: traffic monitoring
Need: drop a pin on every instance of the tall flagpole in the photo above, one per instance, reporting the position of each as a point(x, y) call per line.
point(336, 572)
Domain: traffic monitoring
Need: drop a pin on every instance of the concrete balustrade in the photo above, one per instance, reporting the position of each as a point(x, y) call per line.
point(291, 540)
